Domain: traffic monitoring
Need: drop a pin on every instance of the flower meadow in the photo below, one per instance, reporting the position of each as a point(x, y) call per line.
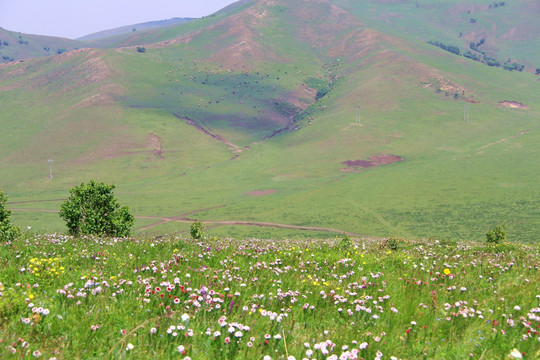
point(175, 298)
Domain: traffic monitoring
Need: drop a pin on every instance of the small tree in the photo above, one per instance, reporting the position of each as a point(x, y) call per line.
point(345, 243)
point(7, 231)
point(197, 230)
point(497, 235)
point(93, 209)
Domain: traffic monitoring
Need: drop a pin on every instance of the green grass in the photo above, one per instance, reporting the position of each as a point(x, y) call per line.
point(17, 46)
point(97, 297)
point(450, 23)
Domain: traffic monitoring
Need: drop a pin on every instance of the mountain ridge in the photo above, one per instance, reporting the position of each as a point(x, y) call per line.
point(132, 28)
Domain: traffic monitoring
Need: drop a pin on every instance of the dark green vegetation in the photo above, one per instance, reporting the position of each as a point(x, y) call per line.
point(92, 209)
point(197, 230)
point(168, 298)
point(8, 232)
point(334, 114)
point(497, 235)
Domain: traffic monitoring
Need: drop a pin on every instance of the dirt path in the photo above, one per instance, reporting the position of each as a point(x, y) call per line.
point(181, 219)
point(207, 131)
point(503, 140)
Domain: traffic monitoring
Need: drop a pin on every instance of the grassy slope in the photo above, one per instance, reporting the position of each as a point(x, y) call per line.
point(133, 28)
point(26, 46)
point(444, 21)
point(458, 179)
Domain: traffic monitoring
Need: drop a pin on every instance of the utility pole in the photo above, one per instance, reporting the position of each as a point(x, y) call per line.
point(358, 115)
point(50, 168)
point(466, 113)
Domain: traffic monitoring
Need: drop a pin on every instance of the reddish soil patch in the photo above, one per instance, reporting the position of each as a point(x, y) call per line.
point(513, 104)
point(261, 192)
point(373, 161)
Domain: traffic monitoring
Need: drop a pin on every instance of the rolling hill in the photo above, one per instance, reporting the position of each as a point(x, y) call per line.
point(17, 46)
point(132, 28)
point(322, 114)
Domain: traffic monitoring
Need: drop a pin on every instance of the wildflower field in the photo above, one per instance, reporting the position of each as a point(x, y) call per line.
point(165, 298)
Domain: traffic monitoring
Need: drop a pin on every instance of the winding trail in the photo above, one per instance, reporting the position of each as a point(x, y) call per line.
point(181, 219)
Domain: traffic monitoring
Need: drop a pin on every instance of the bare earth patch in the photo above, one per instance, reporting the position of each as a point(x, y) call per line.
point(513, 104)
point(373, 161)
point(261, 192)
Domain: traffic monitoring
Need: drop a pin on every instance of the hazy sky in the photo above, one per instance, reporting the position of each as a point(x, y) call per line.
point(76, 18)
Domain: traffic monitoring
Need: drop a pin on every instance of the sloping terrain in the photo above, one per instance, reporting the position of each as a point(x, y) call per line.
point(330, 119)
point(133, 28)
point(17, 46)
point(506, 31)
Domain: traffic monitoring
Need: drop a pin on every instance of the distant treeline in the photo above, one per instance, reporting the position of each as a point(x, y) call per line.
point(479, 55)
point(450, 48)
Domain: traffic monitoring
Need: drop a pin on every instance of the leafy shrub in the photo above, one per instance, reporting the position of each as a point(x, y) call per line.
point(197, 230)
point(141, 49)
point(7, 231)
point(393, 243)
point(511, 66)
point(497, 235)
point(450, 48)
point(93, 209)
point(345, 243)
point(471, 56)
point(491, 61)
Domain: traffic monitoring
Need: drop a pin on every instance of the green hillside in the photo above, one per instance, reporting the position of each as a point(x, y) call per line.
point(505, 30)
point(133, 28)
point(281, 113)
point(17, 46)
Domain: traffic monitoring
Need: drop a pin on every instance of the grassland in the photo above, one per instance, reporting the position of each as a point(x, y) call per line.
point(119, 116)
point(17, 46)
point(174, 297)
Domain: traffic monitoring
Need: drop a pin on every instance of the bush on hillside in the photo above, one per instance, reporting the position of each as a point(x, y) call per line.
point(197, 230)
point(450, 48)
point(93, 209)
point(345, 243)
point(497, 235)
point(8, 232)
